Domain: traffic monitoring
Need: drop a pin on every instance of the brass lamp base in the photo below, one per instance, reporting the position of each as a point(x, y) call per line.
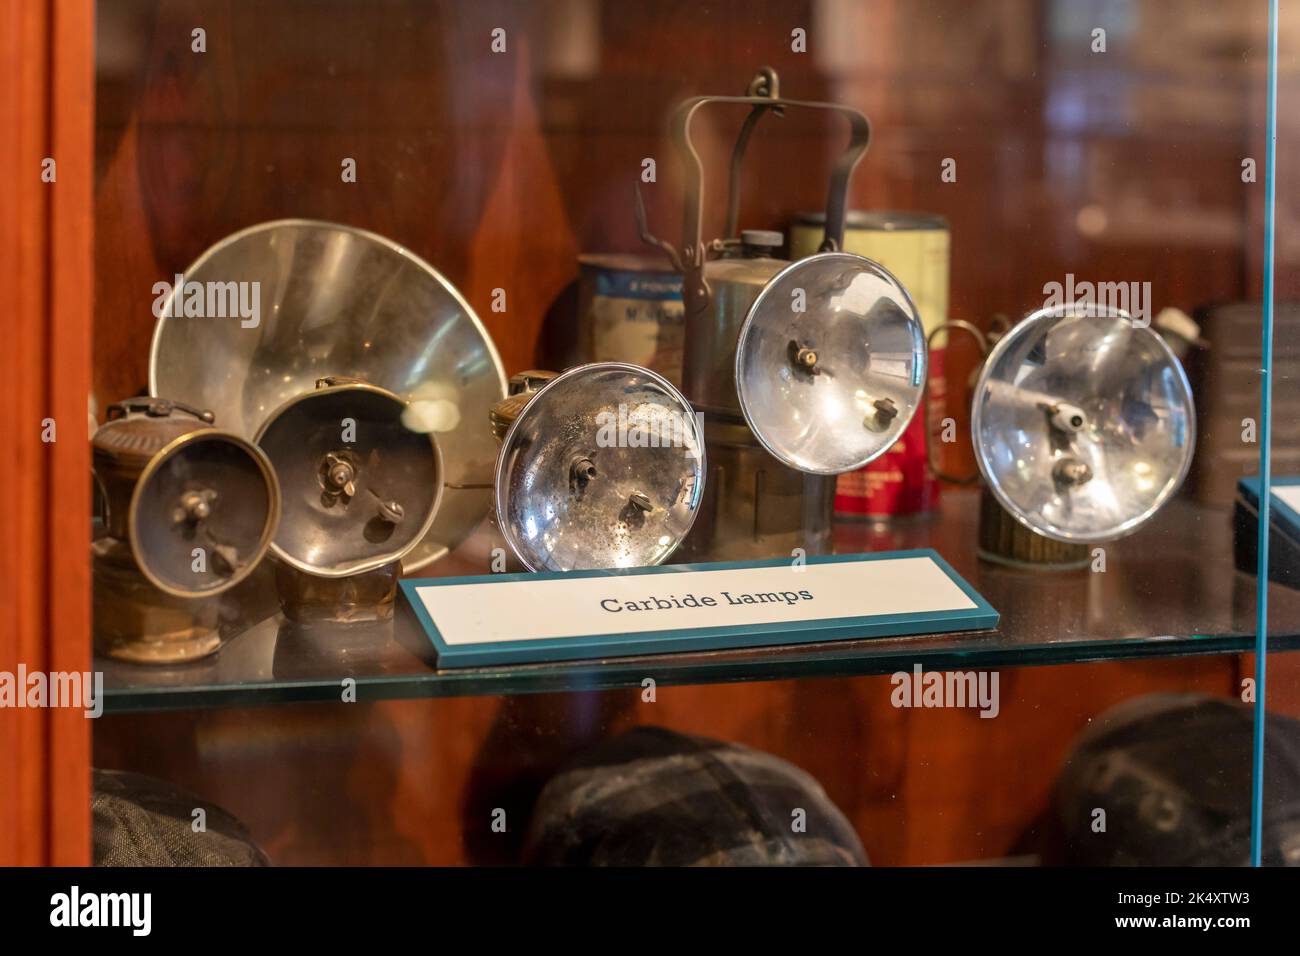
point(1004, 540)
point(357, 598)
point(138, 622)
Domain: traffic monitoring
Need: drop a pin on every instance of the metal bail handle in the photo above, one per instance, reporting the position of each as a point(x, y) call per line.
point(999, 326)
point(764, 97)
point(981, 340)
point(156, 408)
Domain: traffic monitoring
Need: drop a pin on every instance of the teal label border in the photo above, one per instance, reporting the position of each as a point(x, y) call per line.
point(621, 644)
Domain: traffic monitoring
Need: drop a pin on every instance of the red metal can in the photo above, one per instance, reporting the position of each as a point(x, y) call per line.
point(900, 481)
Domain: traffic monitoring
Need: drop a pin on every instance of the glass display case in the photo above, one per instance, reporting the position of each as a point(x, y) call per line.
point(1275, 678)
point(986, 281)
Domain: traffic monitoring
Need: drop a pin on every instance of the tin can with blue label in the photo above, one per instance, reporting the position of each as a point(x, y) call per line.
point(630, 310)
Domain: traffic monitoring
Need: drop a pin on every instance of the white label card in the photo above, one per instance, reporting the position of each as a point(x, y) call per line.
point(694, 606)
point(1289, 495)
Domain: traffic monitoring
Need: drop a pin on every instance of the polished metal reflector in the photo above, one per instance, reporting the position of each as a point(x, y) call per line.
point(603, 468)
point(360, 487)
point(1083, 423)
point(336, 301)
point(203, 513)
point(830, 364)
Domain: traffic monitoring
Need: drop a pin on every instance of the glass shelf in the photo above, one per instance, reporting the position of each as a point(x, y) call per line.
point(1176, 573)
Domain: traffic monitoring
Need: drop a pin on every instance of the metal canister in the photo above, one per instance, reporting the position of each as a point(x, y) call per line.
point(734, 282)
point(915, 247)
point(754, 506)
point(630, 310)
point(767, 500)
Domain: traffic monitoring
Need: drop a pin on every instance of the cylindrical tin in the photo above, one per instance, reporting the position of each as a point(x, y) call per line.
point(754, 506)
point(915, 248)
point(709, 376)
point(630, 310)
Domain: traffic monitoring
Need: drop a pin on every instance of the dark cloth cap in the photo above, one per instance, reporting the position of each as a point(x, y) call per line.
point(653, 797)
point(142, 821)
point(1173, 773)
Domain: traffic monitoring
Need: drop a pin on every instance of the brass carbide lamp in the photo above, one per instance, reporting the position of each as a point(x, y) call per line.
point(189, 512)
point(361, 489)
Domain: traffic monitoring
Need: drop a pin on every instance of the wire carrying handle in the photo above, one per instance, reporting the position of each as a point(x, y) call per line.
point(762, 96)
point(982, 341)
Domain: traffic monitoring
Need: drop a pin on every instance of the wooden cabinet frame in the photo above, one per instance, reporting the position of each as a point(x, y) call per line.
point(47, 53)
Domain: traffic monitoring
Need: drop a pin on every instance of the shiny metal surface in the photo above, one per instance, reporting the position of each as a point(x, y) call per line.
point(1083, 423)
point(361, 488)
point(211, 490)
point(830, 366)
point(603, 468)
point(709, 357)
point(335, 300)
